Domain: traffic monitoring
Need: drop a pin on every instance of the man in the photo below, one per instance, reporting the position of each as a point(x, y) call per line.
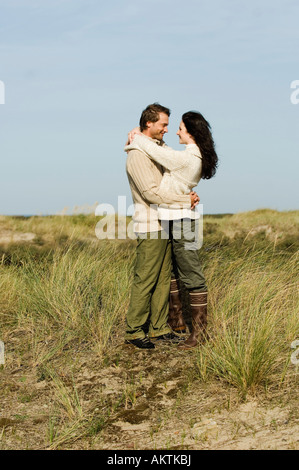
point(149, 304)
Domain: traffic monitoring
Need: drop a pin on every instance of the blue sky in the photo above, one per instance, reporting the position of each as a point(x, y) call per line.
point(78, 73)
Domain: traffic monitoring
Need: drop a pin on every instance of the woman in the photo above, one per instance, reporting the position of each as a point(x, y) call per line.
point(183, 171)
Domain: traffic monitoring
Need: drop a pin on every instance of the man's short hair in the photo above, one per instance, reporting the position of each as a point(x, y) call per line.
point(151, 114)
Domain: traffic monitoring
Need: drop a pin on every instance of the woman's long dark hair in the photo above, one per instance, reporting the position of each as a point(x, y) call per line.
point(200, 130)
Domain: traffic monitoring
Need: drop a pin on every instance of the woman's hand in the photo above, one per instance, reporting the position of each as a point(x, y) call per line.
point(194, 199)
point(132, 134)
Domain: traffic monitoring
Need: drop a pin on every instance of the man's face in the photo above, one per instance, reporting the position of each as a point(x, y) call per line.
point(157, 129)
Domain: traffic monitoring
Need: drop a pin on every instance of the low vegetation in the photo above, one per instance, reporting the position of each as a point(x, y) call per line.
point(63, 300)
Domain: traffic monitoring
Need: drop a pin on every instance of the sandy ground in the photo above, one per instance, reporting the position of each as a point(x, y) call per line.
point(161, 406)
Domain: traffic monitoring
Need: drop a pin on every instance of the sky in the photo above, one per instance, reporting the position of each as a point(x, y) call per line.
point(76, 75)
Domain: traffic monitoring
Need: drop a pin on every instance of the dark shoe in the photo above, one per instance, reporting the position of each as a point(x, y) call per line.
point(141, 343)
point(168, 337)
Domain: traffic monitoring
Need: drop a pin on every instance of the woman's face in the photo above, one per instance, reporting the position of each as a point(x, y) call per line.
point(185, 137)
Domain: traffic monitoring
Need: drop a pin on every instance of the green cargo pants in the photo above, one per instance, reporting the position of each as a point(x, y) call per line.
point(149, 303)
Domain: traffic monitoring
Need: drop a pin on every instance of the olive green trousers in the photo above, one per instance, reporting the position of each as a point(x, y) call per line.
point(149, 302)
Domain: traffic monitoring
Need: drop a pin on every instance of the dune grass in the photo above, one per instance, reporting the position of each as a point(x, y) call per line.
point(76, 287)
point(67, 290)
point(253, 320)
point(76, 292)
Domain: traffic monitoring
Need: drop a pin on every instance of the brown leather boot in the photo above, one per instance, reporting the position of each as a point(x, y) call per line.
point(198, 304)
point(175, 318)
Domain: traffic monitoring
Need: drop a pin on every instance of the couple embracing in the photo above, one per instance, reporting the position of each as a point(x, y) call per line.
point(166, 225)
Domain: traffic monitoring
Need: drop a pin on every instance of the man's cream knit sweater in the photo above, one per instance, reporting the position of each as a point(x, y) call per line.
point(145, 177)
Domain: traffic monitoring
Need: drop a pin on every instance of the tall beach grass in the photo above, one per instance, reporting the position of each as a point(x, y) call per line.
point(253, 318)
point(66, 291)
